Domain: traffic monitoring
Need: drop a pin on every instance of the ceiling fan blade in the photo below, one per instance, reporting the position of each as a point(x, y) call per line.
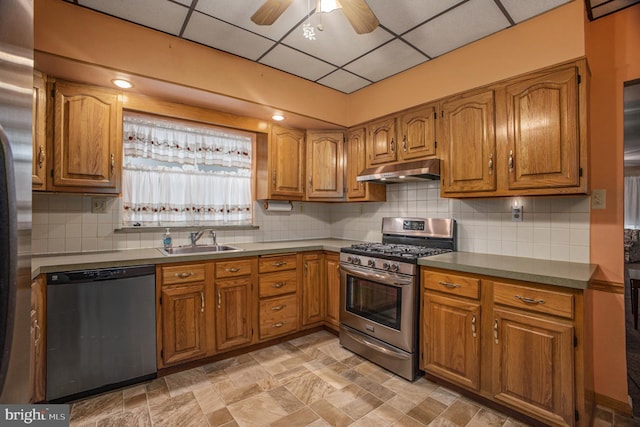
point(359, 15)
point(270, 11)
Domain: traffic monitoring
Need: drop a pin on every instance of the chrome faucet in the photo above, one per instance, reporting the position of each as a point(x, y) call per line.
point(214, 240)
point(194, 236)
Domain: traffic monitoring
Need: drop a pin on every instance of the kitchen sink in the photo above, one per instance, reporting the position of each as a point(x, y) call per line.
point(198, 249)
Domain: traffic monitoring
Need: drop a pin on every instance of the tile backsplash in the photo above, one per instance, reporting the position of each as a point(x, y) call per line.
point(552, 227)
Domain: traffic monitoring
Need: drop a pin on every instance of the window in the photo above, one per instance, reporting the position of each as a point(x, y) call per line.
point(178, 173)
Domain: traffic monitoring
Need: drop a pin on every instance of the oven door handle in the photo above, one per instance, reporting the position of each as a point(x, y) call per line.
point(376, 347)
point(386, 279)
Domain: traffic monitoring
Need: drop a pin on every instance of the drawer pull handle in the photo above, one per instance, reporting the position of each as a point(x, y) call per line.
point(41, 157)
point(511, 161)
point(278, 307)
point(278, 285)
point(279, 263)
point(449, 285)
point(528, 300)
point(278, 325)
point(201, 302)
point(473, 325)
point(219, 300)
point(491, 164)
point(495, 331)
point(233, 269)
point(184, 275)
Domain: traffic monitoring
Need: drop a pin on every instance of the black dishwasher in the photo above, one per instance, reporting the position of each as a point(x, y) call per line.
point(101, 330)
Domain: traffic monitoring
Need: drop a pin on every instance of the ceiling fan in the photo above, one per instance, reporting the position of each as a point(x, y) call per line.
point(357, 12)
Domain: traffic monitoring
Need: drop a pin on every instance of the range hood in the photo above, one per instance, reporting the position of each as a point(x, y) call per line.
point(421, 170)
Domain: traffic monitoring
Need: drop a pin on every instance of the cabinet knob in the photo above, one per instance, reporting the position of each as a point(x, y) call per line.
point(278, 325)
point(278, 285)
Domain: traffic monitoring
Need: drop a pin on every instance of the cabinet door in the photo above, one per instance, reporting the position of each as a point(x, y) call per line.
point(38, 361)
point(233, 312)
point(183, 323)
point(381, 142)
point(39, 163)
point(87, 139)
point(355, 164)
point(287, 163)
point(543, 131)
point(451, 339)
point(418, 133)
point(312, 289)
point(325, 165)
point(468, 137)
point(533, 366)
point(333, 289)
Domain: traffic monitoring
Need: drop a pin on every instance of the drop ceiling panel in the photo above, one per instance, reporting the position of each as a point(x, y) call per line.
point(403, 15)
point(466, 23)
point(338, 43)
point(521, 10)
point(602, 8)
point(213, 32)
point(344, 81)
point(386, 61)
point(239, 13)
point(294, 62)
point(161, 15)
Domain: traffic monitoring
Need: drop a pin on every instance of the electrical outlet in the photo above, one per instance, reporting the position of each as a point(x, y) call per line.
point(598, 199)
point(98, 205)
point(516, 213)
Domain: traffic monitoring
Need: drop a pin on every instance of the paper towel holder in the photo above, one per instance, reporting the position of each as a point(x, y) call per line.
point(278, 206)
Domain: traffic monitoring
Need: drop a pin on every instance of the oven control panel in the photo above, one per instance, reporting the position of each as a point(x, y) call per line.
point(378, 263)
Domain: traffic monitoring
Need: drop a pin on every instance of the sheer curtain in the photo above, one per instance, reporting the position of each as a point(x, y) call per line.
point(632, 202)
point(177, 174)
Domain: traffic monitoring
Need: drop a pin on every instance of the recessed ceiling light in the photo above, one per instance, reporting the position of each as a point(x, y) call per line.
point(278, 117)
point(124, 84)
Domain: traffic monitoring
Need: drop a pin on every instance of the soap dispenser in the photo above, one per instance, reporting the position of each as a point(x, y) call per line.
point(166, 241)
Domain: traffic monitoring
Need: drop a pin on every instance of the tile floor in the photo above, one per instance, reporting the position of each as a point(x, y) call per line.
point(307, 381)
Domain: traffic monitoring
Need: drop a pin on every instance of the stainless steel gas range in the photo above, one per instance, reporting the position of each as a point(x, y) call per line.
point(379, 291)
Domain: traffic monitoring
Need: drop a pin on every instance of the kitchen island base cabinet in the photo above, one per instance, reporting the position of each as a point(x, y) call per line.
point(519, 344)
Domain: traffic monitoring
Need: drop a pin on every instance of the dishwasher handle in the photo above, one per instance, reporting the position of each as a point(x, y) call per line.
point(95, 275)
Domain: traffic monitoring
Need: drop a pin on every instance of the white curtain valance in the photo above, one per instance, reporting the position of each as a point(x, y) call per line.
point(177, 143)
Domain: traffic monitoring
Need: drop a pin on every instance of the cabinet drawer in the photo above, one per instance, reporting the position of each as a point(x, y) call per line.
point(278, 283)
point(277, 263)
point(233, 268)
point(538, 300)
point(176, 274)
point(278, 315)
point(452, 284)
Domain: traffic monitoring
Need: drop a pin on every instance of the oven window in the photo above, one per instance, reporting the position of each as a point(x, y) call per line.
point(374, 301)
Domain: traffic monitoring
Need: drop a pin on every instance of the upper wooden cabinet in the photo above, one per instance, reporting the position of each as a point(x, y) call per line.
point(87, 138)
point(325, 165)
point(467, 130)
point(359, 191)
point(39, 134)
point(524, 136)
point(281, 165)
point(382, 140)
point(418, 133)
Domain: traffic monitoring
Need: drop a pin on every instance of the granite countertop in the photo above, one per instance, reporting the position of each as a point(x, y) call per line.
point(129, 257)
point(558, 273)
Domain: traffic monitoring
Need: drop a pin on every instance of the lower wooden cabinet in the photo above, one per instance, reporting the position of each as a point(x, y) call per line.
point(520, 344)
point(185, 312)
point(313, 288)
point(38, 357)
point(278, 295)
point(332, 317)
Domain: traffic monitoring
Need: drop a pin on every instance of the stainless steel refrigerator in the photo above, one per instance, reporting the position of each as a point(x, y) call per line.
point(16, 88)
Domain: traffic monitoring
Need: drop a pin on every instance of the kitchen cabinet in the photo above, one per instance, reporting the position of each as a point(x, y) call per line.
point(278, 295)
point(313, 289)
point(234, 302)
point(185, 327)
point(520, 344)
point(522, 136)
point(467, 130)
point(280, 165)
point(38, 356)
point(325, 165)
point(451, 331)
point(418, 132)
point(39, 134)
point(86, 138)
point(355, 164)
point(382, 141)
point(332, 317)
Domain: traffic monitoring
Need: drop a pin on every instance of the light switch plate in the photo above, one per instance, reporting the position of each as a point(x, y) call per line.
point(598, 199)
point(516, 214)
